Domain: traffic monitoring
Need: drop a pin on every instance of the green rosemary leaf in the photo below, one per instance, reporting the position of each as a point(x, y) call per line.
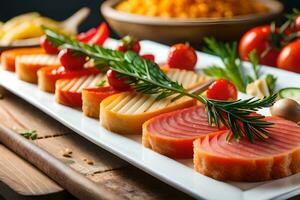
point(31, 134)
point(271, 82)
point(254, 60)
point(101, 83)
point(231, 64)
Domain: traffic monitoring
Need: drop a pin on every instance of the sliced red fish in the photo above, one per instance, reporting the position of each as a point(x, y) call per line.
point(172, 134)
point(241, 160)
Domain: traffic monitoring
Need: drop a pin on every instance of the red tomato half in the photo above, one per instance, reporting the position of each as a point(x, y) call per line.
point(182, 56)
point(129, 43)
point(258, 38)
point(48, 46)
point(71, 61)
point(289, 57)
point(117, 82)
point(222, 90)
point(150, 57)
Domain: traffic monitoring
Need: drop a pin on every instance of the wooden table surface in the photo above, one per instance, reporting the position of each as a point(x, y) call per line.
point(20, 180)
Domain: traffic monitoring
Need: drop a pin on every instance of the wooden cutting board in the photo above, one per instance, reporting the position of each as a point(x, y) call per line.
point(21, 180)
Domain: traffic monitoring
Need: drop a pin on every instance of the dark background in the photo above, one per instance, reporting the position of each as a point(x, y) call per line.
point(61, 9)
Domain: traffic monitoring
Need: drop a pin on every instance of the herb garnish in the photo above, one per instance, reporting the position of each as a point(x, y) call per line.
point(101, 83)
point(31, 134)
point(233, 69)
point(1, 96)
point(146, 77)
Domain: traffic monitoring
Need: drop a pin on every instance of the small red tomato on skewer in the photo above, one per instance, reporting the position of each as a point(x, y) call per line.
point(182, 56)
point(222, 90)
point(71, 61)
point(150, 57)
point(129, 43)
point(116, 82)
point(48, 46)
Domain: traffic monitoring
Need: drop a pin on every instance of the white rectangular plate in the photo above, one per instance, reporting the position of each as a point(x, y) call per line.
point(178, 173)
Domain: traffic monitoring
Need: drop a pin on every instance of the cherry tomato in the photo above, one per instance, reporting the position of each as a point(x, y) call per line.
point(222, 90)
point(150, 57)
point(258, 38)
point(297, 23)
point(48, 46)
point(128, 43)
point(117, 82)
point(289, 57)
point(182, 56)
point(294, 26)
point(71, 61)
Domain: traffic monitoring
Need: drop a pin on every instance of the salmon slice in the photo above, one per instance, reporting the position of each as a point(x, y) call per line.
point(28, 65)
point(125, 113)
point(8, 57)
point(172, 134)
point(241, 160)
point(69, 91)
point(47, 76)
point(92, 97)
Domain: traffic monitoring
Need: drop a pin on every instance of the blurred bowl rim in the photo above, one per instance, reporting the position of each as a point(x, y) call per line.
point(108, 10)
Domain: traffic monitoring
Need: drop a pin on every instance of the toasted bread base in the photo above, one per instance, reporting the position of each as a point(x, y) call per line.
point(237, 169)
point(28, 72)
point(45, 82)
point(8, 58)
point(92, 97)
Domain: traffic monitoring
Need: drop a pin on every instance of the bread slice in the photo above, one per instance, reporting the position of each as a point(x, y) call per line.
point(126, 112)
point(92, 97)
point(28, 65)
point(47, 76)
point(8, 57)
point(69, 91)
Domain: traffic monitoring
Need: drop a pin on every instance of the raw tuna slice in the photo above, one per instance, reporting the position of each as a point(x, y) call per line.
point(172, 134)
point(278, 157)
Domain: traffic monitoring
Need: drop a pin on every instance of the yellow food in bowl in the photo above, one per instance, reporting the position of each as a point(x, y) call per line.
point(25, 26)
point(191, 8)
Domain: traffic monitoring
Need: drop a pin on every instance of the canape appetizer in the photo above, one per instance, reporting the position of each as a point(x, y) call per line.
point(68, 91)
point(8, 57)
point(126, 112)
point(28, 65)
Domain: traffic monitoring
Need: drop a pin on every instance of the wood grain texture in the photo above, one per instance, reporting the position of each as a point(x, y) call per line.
point(133, 184)
point(21, 116)
point(24, 178)
point(82, 152)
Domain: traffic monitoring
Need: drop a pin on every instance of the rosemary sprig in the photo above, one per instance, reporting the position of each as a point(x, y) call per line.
point(146, 77)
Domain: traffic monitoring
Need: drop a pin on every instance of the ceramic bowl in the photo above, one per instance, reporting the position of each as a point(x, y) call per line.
point(172, 30)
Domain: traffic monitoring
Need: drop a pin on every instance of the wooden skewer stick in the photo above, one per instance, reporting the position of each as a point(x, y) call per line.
point(200, 89)
point(74, 182)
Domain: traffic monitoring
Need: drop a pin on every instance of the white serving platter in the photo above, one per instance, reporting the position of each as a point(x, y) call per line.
point(177, 173)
